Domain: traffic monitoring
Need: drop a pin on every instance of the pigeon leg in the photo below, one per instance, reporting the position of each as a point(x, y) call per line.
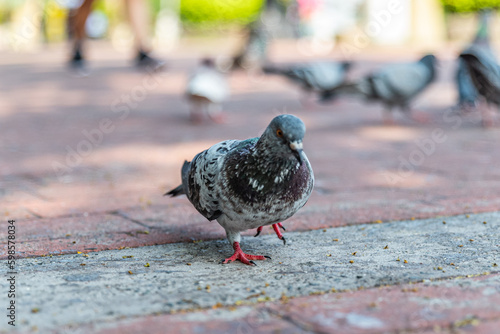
point(420, 117)
point(245, 258)
point(196, 112)
point(259, 229)
point(215, 113)
point(278, 232)
point(415, 115)
point(487, 116)
point(388, 118)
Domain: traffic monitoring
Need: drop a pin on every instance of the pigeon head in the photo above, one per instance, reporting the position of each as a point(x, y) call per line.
point(429, 60)
point(208, 62)
point(283, 137)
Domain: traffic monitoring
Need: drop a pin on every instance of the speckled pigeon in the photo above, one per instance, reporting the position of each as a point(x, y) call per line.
point(315, 76)
point(395, 85)
point(246, 184)
point(207, 88)
point(467, 92)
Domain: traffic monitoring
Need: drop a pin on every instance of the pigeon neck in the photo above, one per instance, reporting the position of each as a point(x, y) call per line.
point(275, 154)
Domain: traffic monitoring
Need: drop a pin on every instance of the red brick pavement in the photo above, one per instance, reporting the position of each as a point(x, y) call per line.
point(46, 113)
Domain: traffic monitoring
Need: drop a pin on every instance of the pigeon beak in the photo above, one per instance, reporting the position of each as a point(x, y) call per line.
point(296, 147)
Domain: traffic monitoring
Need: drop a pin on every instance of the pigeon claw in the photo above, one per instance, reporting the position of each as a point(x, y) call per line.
point(245, 258)
point(259, 229)
point(278, 232)
point(281, 225)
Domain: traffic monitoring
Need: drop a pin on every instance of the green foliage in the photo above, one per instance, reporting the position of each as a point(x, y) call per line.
point(461, 6)
point(220, 11)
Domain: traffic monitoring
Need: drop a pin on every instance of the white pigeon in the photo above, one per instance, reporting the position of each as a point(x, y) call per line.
point(207, 88)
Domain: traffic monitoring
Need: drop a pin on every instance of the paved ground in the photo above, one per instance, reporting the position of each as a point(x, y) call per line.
point(376, 185)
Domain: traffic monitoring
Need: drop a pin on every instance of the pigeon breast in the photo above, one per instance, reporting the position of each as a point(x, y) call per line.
point(250, 188)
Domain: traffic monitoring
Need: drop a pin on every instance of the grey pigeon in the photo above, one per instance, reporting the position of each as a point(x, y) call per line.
point(316, 76)
point(207, 88)
point(395, 85)
point(467, 92)
point(246, 184)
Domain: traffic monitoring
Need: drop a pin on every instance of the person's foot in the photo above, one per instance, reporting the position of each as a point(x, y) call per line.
point(143, 60)
point(78, 65)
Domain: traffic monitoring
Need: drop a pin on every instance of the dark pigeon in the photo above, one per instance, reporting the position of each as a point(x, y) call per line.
point(484, 71)
point(250, 183)
point(467, 92)
point(394, 85)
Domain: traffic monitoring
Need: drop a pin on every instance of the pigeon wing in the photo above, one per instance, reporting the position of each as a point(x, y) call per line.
point(319, 75)
point(200, 177)
point(484, 71)
point(397, 84)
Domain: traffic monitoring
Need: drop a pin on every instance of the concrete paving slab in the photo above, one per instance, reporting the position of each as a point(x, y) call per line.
point(107, 285)
point(459, 305)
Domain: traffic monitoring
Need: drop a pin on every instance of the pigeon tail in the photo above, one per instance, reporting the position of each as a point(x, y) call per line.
point(343, 89)
point(175, 192)
point(269, 69)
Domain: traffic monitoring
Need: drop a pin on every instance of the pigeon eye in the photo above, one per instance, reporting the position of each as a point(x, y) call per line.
point(279, 133)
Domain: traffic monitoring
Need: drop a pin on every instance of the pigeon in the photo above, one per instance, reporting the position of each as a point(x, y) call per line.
point(485, 74)
point(207, 88)
point(247, 184)
point(395, 85)
point(314, 77)
point(467, 92)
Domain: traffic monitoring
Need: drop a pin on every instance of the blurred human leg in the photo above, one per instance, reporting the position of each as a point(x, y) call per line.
point(138, 14)
point(77, 25)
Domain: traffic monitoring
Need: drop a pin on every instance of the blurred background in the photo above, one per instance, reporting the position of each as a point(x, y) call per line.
point(27, 25)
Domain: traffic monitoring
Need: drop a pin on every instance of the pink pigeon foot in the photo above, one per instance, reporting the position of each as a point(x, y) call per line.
point(245, 258)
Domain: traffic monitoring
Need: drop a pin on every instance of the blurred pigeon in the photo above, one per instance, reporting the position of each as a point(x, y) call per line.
point(207, 88)
point(485, 74)
point(250, 183)
point(394, 85)
point(314, 77)
point(467, 92)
